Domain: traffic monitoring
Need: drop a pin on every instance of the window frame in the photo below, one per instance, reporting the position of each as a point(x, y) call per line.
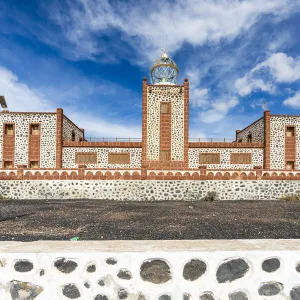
point(203, 154)
point(113, 157)
point(237, 154)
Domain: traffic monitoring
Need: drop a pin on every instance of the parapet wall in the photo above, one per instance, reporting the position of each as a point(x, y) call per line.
point(142, 190)
point(151, 270)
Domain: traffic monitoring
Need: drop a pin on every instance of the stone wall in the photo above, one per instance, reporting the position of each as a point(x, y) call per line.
point(47, 140)
point(277, 137)
point(102, 157)
point(256, 129)
point(141, 190)
point(257, 157)
point(68, 128)
point(151, 270)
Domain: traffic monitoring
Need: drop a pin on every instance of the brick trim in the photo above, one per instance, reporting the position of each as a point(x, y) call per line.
point(267, 140)
point(144, 127)
point(186, 121)
point(34, 145)
point(59, 137)
point(86, 144)
point(8, 144)
point(240, 163)
point(290, 146)
point(225, 145)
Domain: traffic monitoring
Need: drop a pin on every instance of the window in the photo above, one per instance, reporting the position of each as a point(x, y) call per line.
point(290, 165)
point(73, 138)
point(119, 158)
point(86, 158)
point(209, 158)
point(249, 138)
point(9, 129)
point(241, 158)
point(165, 108)
point(35, 129)
point(165, 155)
point(8, 164)
point(34, 164)
point(290, 131)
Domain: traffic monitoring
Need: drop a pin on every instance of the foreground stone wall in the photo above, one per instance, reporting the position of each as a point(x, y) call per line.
point(151, 270)
point(147, 189)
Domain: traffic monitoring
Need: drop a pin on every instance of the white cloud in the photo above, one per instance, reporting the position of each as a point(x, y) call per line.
point(19, 96)
point(278, 68)
point(219, 109)
point(22, 98)
point(293, 102)
point(143, 24)
point(199, 97)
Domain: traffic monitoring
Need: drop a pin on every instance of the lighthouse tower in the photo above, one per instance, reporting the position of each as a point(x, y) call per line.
point(165, 118)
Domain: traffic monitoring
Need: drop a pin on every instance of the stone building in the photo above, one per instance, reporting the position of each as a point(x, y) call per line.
point(50, 146)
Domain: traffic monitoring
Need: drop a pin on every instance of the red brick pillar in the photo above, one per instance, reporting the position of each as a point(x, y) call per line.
point(267, 141)
point(20, 171)
point(186, 122)
point(59, 137)
point(81, 172)
point(144, 128)
point(202, 172)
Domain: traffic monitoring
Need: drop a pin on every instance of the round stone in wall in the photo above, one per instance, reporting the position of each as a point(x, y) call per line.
point(23, 266)
point(91, 268)
point(141, 297)
point(194, 269)
point(271, 265)
point(42, 272)
point(124, 274)
point(71, 291)
point(164, 297)
point(238, 296)
point(24, 290)
point(111, 261)
point(101, 282)
point(298, 267)
point(87, 285)
point(270, 288)
point(101, 297)
point(122, 294)
point(155, 271)
point(207, 296)
point(186, 296)
point(232, 270)
point(295, 293)
point(65, 266)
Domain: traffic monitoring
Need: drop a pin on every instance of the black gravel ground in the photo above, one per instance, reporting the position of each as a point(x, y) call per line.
point(28, 220)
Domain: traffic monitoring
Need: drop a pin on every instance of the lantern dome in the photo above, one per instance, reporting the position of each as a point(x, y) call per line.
point(164, 70)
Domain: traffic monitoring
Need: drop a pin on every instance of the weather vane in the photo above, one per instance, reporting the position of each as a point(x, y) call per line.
point(265, 105)
point(164, 49)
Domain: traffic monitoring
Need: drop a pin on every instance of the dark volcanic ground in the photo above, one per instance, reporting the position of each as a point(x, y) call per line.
point(28, 220)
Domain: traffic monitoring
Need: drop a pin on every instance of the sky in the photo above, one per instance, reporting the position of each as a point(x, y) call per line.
point(90, 56)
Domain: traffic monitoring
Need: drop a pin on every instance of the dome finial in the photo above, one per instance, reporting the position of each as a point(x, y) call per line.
point(164, 70)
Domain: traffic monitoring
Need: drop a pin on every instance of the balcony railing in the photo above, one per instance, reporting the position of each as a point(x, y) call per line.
point(218, 140)
point(116, 139)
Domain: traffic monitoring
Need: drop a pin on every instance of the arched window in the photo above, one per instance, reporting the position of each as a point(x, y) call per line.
point(73, 136)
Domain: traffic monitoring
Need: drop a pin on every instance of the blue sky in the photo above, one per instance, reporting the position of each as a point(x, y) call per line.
point(90, 56)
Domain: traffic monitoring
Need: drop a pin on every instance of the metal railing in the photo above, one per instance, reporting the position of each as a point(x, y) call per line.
point(224, 140)
point(116, 139)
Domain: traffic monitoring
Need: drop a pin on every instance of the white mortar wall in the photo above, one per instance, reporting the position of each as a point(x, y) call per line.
point(130, 255)
point(48, 137)
point(141, 190)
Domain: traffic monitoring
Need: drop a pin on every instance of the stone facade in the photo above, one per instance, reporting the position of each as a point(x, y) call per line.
point(102, 157)
point(22, 122)
point(156, 96)
point(153, 190)
point(256, 130)
point(71, 131)
point(271, 144)
point(225, 163)
point(151, 270)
